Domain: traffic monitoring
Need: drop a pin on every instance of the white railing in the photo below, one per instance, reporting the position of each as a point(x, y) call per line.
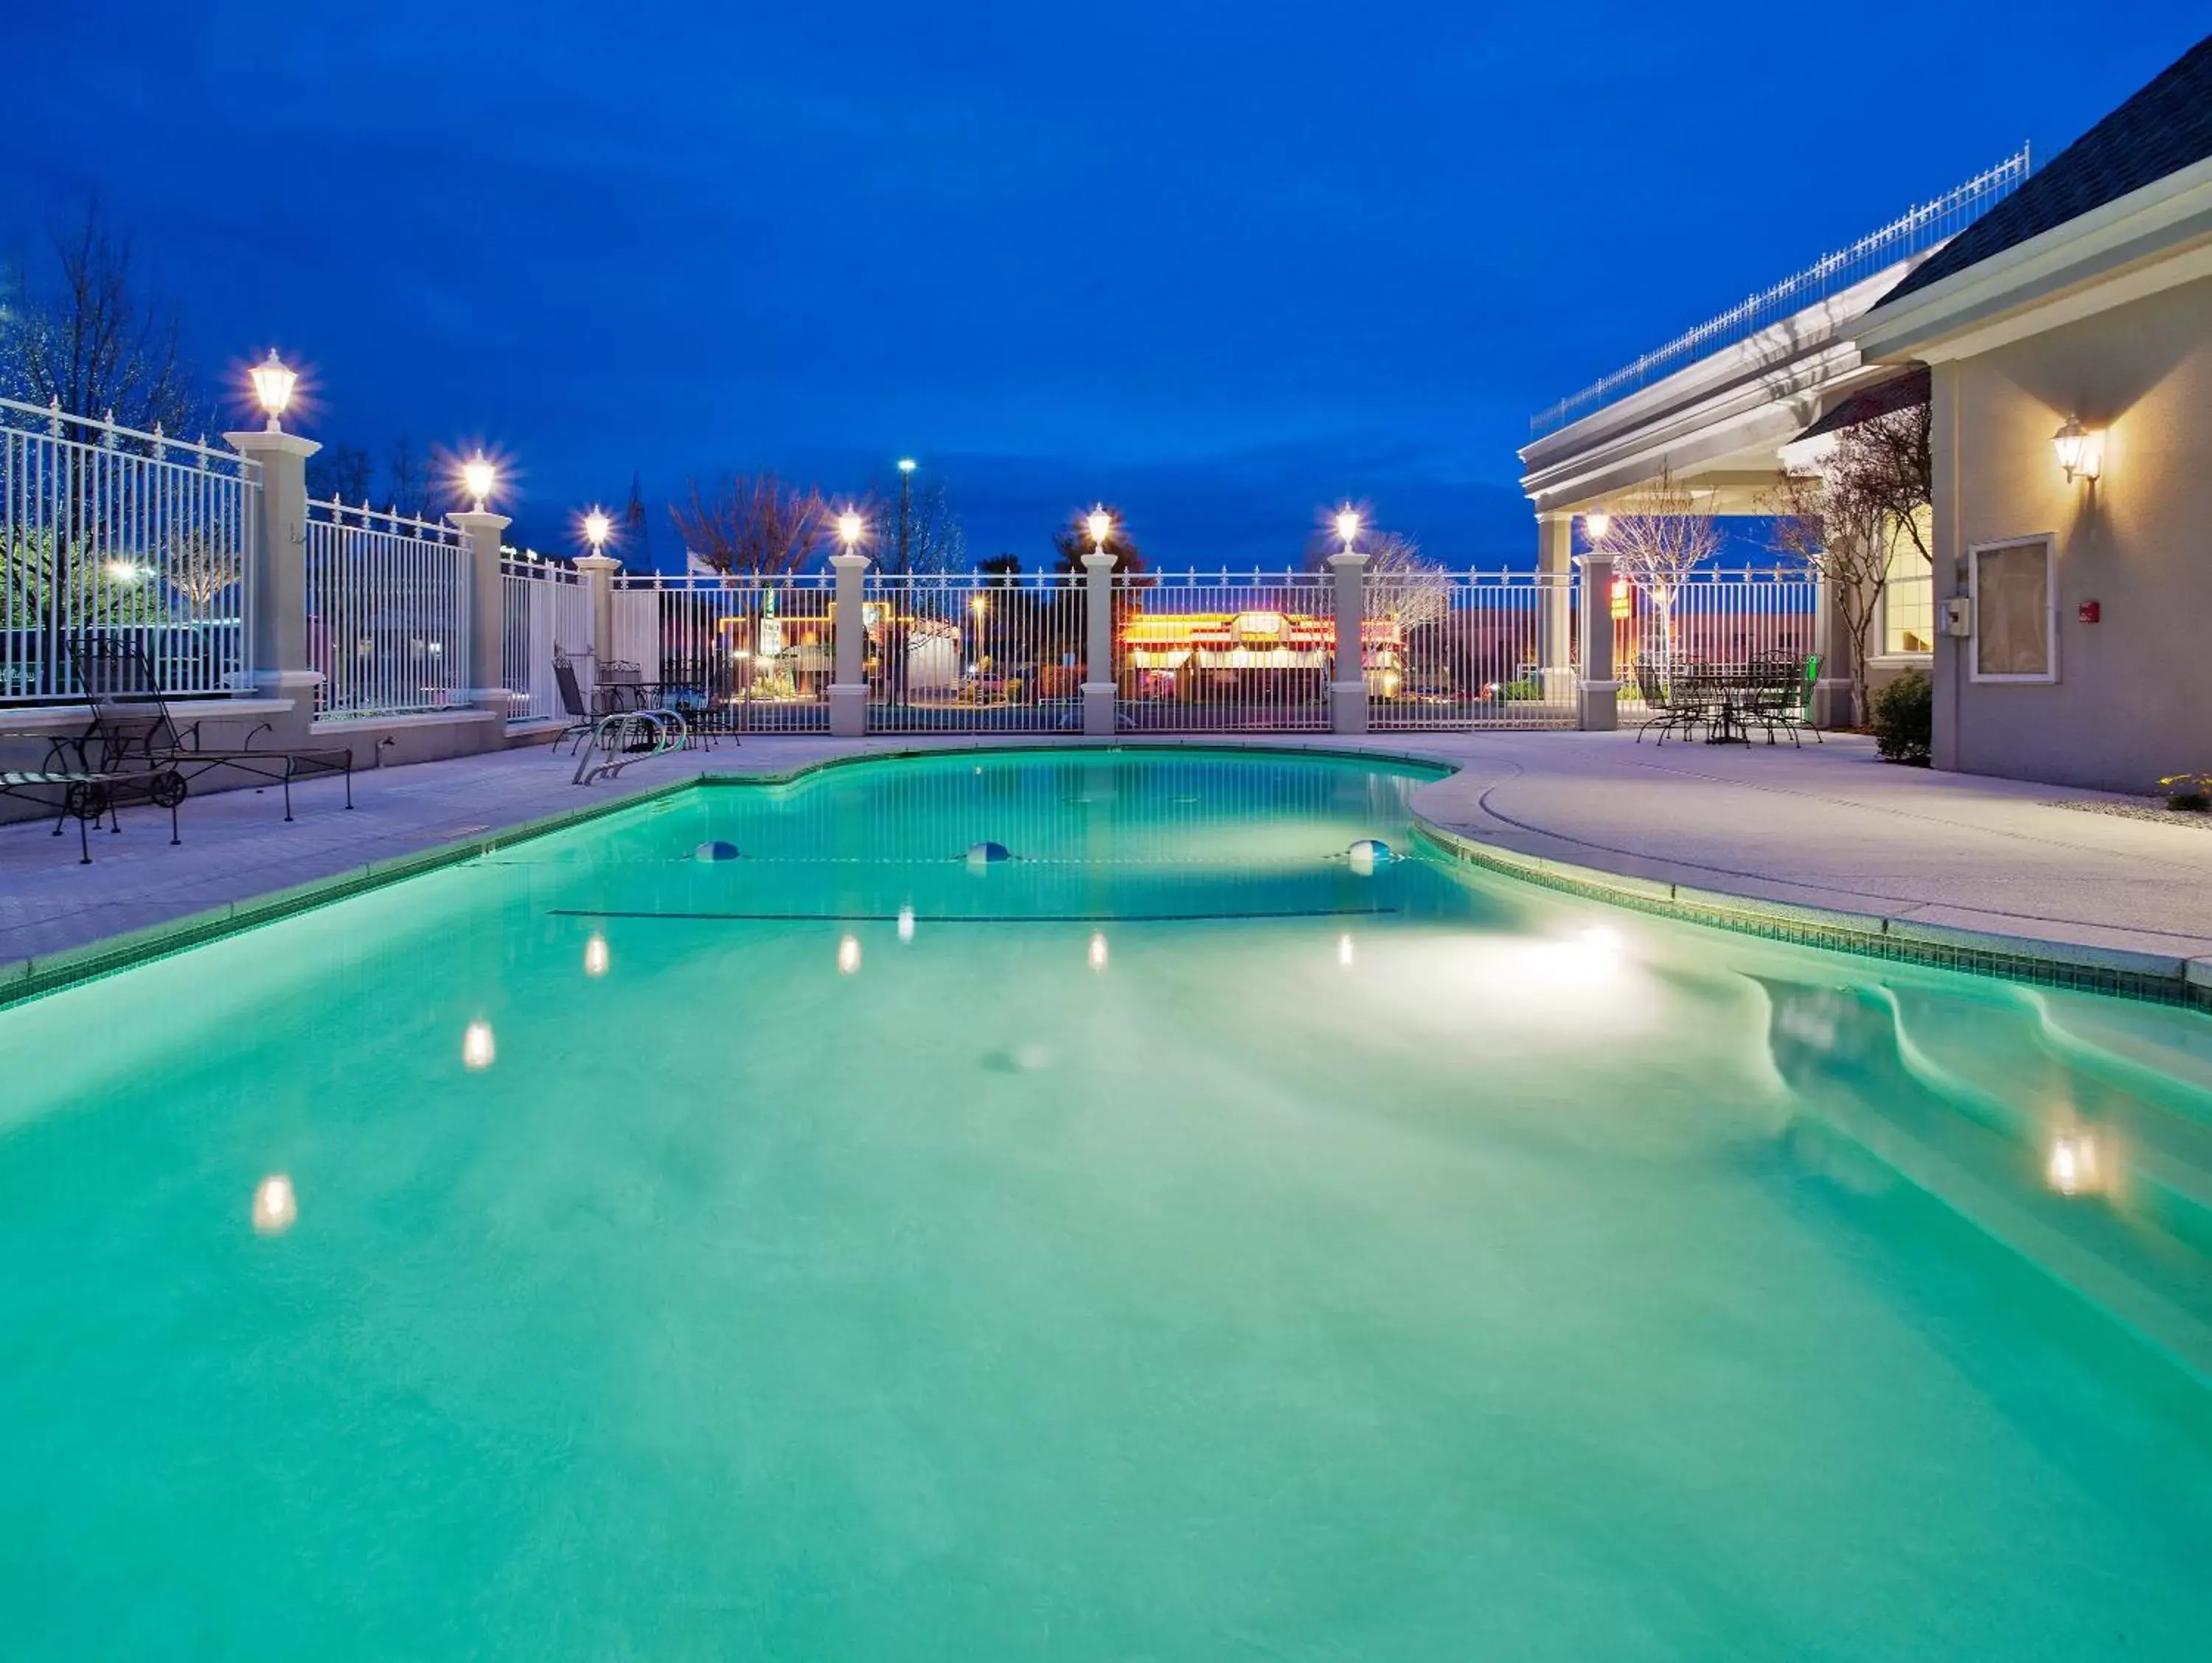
point(387, 612)
point(748, 652)
point(974, 650)
point(1717, 617)
point(1917, 230)
point(1220, 652)
point(545, 609)
point(1467, 649)
point(104, 528)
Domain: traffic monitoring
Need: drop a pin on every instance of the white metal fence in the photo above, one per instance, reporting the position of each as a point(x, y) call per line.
point(997, 651)
point(106, 528)
point(545, 609)
point(1466, 649)
point(749, 653)
point(1717, 617)
point(387, 612)
point(1198, 652)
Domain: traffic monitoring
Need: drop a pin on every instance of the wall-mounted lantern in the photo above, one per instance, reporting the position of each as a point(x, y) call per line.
point(2080, 450)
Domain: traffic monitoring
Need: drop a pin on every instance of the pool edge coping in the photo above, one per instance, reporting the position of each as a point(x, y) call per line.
point(2152, 978)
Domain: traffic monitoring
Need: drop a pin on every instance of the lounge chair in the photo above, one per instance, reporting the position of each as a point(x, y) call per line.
point(134, 732)
point(85, 795)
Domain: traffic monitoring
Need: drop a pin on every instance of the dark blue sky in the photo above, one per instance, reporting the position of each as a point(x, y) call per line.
point(1221, 262)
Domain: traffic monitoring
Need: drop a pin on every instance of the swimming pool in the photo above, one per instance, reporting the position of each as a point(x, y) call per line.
point(1171, 1241)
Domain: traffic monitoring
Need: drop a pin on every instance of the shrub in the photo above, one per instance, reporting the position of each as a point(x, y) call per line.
point(2192, 792)
point(1904, 718)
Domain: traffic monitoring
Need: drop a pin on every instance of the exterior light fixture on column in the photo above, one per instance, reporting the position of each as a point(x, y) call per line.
point(1347, 527)
point(272, 386)
point(598, 528)
point(2080, 450)
point(1597, 524)
point(851, 528)
point(1100, 526)
point(479, 477)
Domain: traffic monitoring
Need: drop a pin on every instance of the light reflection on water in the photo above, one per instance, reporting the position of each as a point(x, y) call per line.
point(1359, 1264)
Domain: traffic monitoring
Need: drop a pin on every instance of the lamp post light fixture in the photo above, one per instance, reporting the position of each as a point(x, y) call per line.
point(1100, 524)
point(1597, 523)
point(2080, 450)
point(598, 528)
point(1347, 526)
point(478, 477)
point(851, 528)
point(906, 498)
point(273, 382)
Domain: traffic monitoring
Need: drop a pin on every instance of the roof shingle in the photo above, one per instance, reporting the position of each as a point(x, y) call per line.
point(2161, 129)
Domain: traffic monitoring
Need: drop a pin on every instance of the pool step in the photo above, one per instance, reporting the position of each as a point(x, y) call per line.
point(1986, 1154)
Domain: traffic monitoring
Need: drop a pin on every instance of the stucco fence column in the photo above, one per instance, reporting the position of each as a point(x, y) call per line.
point(1597, 695)
point(1347, 686)
point(598, 572)
point(1555, 576)
point(277, 643)
point(1831, 640)
point(1100, 690)
point(848, 682)
point(486, 688)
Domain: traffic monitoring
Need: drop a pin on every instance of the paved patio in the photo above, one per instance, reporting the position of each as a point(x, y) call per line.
point(1828, 826)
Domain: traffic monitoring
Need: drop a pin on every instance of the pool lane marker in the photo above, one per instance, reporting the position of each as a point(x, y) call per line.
point(903, 916)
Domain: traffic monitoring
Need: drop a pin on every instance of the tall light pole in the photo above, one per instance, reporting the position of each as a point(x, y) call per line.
point(906, 493)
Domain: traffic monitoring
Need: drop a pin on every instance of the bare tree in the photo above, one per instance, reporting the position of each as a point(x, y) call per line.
point(754, 523)
point(200, 567)
point(1850, 514)
point(1656, 542)
point(340, 473)
point(935, 540)
point(1403, 583)
point(99, 340)
point(409, 472)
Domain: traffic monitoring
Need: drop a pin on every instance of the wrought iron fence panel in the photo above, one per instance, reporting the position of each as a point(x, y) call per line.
point(974, 650)
point(1220, 651)
point(1722, 618)
point(747, 651)
point(546, 610)
point(388, 611)
point(106, 528)
point(1468, 649)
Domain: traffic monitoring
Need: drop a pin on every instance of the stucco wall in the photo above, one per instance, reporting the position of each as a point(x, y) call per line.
point(2135, 690)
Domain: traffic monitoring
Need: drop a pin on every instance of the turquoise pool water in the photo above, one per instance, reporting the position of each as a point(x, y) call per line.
point(1170, 1243)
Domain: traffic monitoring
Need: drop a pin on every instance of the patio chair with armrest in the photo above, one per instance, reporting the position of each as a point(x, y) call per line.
point(1776, 692)
point(133, 730)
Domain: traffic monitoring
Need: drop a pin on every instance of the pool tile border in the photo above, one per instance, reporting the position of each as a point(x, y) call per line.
point(2155, 978)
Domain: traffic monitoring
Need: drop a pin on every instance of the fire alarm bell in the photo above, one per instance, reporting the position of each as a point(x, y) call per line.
point(2089, 611)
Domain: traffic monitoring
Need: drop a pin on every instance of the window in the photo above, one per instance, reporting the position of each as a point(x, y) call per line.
point(2014, 587)
point(1908, 595)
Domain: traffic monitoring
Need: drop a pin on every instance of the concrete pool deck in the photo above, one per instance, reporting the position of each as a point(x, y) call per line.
point(1774, 838)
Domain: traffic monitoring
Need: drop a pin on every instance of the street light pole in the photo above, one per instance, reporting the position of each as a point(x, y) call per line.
point(906, 484)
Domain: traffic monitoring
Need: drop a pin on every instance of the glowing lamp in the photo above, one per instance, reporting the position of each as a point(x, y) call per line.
point(478, 477)
point(1100, 524)
point(1347, 527)
point(850, 528)
point(2080, 450)
point(272, 386)
point(905, 465)
point(1597, 525)
point(598, 528)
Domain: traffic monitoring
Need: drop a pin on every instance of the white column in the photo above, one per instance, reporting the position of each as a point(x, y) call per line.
point(1348, 683)
point(278, 646)
point(1099, 689)
point(487, 683)
point(1597, 695)
point(598, 572)
point(848, 684)
point(1555, 658)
